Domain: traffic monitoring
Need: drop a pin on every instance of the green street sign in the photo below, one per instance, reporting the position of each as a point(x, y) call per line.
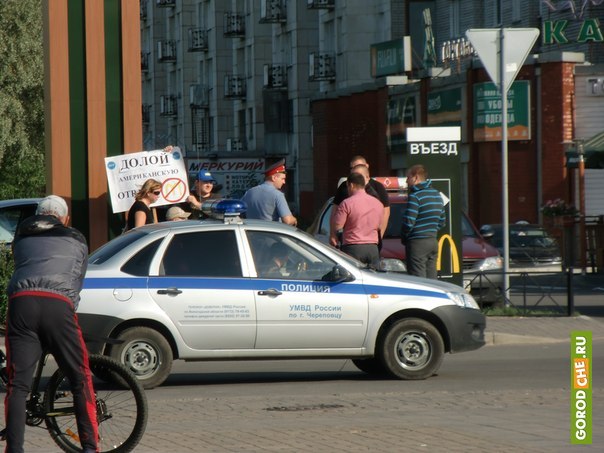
point(390, 57)
point(488, 122)
point(444, 107)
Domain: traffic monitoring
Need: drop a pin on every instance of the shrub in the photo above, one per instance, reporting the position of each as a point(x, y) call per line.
point(558, 207)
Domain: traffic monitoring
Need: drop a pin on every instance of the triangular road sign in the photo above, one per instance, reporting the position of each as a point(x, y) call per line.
point(517, 43)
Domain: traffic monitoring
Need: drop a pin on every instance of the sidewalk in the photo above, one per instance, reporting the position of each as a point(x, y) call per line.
point(518, 330)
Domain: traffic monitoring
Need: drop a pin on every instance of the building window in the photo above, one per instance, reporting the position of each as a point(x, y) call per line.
point(491, 13)
point(201, 133)
point(516, 13)
point(454, 19)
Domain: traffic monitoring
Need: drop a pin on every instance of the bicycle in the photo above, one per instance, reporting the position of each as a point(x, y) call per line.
point(121, 405)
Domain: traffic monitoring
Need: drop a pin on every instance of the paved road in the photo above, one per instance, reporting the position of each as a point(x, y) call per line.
point(505, 404)
point(516, 398)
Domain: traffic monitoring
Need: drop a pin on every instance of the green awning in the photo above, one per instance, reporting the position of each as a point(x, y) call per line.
point(594, 151)
point(595, 143)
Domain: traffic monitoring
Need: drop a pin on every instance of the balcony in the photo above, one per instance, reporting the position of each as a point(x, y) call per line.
point(321, 67)
point(234, 86)
point(272, 12)
point(165, 3)
point(199, 96)
point(145, 61)
point(166, 51)
point(198, 40)
point(146, 113)
point(320, 4)
point(234, 25)
point(234, 145)
point(168, 106)
point(200, 130)
point(275, 76)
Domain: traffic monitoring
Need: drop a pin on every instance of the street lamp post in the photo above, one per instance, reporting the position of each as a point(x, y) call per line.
point(581, 168)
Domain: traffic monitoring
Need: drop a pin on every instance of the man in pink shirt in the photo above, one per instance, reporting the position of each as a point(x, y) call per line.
point(359, 216)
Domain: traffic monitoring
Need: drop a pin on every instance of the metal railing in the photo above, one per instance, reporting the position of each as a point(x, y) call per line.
point(529, 292)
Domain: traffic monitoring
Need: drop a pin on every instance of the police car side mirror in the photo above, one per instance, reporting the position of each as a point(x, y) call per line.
point(338, 274)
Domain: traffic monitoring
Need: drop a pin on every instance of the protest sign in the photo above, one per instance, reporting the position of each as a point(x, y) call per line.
point(127, 173)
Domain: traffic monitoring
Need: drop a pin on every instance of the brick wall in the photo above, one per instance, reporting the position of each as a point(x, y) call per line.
point(355, 124)
point(557, 99)
point(485, 179)
point(342, 128)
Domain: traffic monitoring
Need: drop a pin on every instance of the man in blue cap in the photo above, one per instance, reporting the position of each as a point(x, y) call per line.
point(202, 191)
point(266, 201)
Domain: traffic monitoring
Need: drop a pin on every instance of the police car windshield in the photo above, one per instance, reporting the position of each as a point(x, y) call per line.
point(106, 251)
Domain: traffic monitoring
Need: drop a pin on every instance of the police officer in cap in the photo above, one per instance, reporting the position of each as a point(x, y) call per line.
point(266, 201)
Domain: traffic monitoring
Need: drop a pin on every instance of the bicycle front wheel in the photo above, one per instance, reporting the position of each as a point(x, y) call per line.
point(121, 407)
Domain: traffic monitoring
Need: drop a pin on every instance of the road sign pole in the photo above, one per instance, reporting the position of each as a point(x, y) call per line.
point(503, 66)
point(504, 171)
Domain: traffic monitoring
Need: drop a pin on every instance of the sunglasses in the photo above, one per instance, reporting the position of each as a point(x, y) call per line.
point(156, 192)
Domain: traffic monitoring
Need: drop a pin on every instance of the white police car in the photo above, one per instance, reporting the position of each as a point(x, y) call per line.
point(241, 289)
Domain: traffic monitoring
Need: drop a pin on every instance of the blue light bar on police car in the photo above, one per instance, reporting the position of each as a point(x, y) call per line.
point(223, 207)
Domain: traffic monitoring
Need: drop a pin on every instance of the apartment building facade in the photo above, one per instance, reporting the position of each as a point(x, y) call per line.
point(242, 83)
point(229, 82)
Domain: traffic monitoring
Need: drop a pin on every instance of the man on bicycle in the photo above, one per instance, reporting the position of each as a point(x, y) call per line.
point(44, 291)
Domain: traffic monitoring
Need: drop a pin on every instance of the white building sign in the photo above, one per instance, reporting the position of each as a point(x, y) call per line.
point(235, 175)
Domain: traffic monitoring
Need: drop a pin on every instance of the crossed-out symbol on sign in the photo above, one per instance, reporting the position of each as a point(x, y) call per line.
point(173, 189)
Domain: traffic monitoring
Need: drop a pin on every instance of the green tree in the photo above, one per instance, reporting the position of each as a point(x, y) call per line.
point(22, 171)
point(21, 112)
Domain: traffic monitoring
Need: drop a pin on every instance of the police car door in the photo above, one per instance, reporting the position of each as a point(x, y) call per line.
point(201, 288)
point(295, 308)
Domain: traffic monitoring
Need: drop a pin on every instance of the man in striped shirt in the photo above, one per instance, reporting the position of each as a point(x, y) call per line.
point(425, 215)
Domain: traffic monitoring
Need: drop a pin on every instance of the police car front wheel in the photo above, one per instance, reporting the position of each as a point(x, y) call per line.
point(412, 349)
point(146, 353)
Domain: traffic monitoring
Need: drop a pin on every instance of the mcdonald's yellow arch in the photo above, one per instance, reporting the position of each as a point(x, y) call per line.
point(454, 254)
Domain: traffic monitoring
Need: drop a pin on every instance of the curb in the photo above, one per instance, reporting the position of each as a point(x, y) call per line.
point(495, 339)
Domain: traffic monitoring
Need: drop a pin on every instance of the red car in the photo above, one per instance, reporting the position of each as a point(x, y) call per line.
point(478, 255)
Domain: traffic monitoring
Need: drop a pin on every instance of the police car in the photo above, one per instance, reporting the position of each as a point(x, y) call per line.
point(242, 289)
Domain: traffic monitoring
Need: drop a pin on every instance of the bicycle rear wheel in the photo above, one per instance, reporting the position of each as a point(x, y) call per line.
point(121, 408)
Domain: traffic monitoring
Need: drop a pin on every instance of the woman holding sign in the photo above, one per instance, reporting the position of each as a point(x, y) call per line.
point(140, 212)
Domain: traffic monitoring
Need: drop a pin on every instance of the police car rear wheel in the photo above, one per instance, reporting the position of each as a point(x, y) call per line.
point(146, 353)
point(412, 349)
